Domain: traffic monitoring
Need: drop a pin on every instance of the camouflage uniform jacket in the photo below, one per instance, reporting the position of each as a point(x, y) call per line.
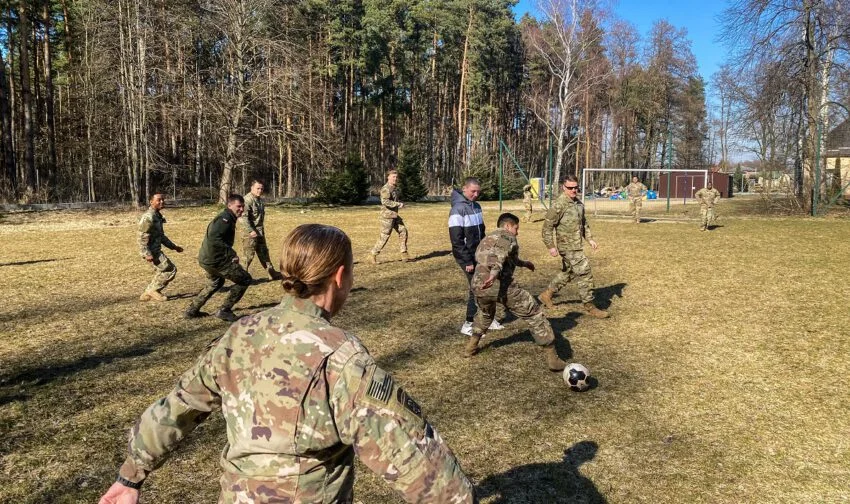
point(635, 189)
point(707, 197)
point(526, 194)
point(254, 216)
point(217, 247)
point(566, 218)
point(300, 397)
point(389, 201)
point(499, 252)
point(152, 235)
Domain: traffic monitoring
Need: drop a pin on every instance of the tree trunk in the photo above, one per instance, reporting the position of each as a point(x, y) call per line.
point(9, 167)
point(26, 104)
point(48, 84)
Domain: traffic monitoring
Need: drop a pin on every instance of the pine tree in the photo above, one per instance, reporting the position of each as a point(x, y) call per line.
point(409, 168)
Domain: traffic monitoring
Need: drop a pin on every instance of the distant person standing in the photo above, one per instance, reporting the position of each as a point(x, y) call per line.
point(219, 261)
point(635, 190)
point(493, 283)
point(254, 232)
point(151, 240)
point(564, 231)
point(390, 219)
point(527, 197)
point(707, 197)
point(466, 230)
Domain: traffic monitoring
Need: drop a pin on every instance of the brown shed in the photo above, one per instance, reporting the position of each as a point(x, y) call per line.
point(686, 184)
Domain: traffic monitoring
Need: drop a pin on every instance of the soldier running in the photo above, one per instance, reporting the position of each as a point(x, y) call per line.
point(151, 240)
point(390, 219)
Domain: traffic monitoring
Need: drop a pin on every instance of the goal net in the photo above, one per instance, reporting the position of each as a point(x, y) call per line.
point(603, 190)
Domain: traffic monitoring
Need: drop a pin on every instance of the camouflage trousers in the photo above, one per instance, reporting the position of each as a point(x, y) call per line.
point(251, 246)
point(520, 302)
point(388, 226)
point(528, 211)
point(165, 271)
point(574, 264)
point(215, 281)
point(635, 205)
point(706, 217)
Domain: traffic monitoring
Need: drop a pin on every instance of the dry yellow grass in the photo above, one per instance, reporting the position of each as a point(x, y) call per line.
point(722, 371)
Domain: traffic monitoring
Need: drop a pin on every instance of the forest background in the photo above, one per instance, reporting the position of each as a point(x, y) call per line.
point(111, 100)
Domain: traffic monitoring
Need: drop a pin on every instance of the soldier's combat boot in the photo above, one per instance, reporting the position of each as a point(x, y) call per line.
point(372, 258)
point(145, 296)
point(545, 297)
point(273, 275)
point(593, 311)
point(192, 312)
point(157, 296)
point(226, 315)
point(552, 360)
point(405, 257)
point(471, 347)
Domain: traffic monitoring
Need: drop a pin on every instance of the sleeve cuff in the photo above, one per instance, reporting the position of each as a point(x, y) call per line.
point(132, 472)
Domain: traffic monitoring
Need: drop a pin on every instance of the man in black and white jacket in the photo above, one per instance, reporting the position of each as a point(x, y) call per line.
point(466, 229)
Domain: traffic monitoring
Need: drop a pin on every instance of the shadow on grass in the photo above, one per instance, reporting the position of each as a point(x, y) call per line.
point(35, 261)
point(559, 325)
point(552, 482)
point(431, 255)
point(604, 295)
point(74, 305)
point(46, 374)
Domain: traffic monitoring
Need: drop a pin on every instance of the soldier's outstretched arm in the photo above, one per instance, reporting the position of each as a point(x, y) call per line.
point(167, 421)
point(391, 437)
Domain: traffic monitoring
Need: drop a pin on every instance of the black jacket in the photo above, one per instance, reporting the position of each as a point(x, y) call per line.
point(217, 248)
point(466, 228)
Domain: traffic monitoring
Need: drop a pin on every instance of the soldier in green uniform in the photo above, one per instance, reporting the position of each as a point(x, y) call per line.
point(219, 261)
point(151, 240)
point(254, 232)
point(635, 190)
point(496, 257)
point(707, 197)
point(527, 197)
point(301, 399)
point(390, 219)
point(566, 220)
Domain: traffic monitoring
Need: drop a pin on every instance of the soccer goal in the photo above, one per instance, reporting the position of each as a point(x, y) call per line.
point(603, 190)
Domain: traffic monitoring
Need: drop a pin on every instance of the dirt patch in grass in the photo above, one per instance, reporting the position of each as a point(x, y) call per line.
point(722, 371)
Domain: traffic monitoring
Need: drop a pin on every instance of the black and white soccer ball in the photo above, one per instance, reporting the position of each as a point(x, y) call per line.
point(577, 377)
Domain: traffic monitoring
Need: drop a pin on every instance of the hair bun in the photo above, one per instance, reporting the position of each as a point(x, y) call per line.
point(295, 286)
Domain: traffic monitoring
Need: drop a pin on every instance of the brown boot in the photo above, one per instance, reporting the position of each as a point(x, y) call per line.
point(593, 311)
point(405, 257)
point(372, 258)
point(471, 347)
point(145, 296)
point(552, 360)
point(157, 296)
point(545, 297)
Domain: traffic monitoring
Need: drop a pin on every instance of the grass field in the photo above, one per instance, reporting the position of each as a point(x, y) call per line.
point(723, 370)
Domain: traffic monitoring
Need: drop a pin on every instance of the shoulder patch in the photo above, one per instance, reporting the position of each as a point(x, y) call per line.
point(381, 386)
point(408, 402)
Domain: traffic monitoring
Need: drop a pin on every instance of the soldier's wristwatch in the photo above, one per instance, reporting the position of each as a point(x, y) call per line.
point(127, 483)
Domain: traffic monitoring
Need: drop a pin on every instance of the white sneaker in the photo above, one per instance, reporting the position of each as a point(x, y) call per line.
point(495, 326)
point(466, 328)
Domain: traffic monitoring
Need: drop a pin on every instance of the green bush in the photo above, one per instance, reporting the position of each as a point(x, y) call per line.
point(347, 185)
point(410, 174)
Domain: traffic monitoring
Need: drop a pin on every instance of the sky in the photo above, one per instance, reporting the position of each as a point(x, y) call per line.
point(698, 17)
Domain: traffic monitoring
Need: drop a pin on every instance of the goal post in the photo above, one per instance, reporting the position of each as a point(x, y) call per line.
point(602, 189)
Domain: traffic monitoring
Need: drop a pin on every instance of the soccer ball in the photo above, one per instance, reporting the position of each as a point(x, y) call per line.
point(577, 377)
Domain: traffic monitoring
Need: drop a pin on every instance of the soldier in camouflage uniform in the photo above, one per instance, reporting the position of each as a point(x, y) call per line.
point(254, 232)
point(566, 219)
point(219, 261)
point(707, 197)
point(301, 398)
point(151, 240)
point(496, 259)
point(635, 190)
point(527, 197)
point(390, 219)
